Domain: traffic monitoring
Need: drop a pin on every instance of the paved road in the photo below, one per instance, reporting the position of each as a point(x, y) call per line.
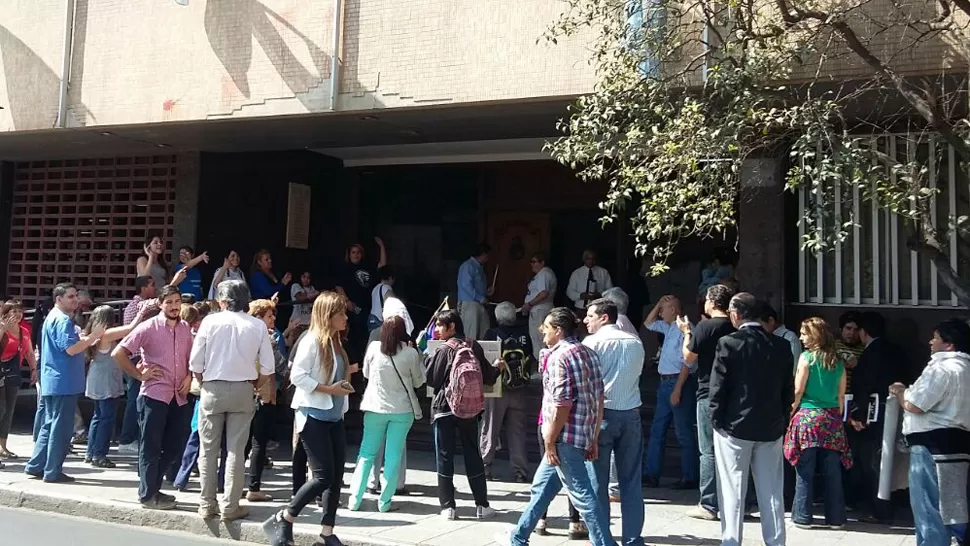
point(54, 530)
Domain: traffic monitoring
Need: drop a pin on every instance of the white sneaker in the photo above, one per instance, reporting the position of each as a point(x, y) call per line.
point(128, 449)
point(485, 512)
point(449, 513)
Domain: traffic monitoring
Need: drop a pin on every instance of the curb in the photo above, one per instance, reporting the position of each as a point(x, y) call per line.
point(171, 520)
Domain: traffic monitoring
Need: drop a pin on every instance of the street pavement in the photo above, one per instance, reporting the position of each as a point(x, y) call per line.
point(45, 529)
point(110, 496)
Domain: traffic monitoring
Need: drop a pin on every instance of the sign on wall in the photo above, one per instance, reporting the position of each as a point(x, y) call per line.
point(298, 217)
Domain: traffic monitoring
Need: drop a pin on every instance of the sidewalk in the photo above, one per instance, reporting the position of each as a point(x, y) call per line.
point(110, 495)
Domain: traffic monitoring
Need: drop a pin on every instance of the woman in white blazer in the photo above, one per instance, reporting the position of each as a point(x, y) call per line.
point(321, 373)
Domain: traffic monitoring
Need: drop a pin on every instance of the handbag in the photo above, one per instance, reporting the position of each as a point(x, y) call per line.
point(410, 392)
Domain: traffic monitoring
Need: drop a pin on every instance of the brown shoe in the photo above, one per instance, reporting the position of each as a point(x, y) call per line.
point(258, 496)
point(239, 513)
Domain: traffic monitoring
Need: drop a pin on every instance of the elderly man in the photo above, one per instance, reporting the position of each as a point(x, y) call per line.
point(61, 383)
point(620, 298)
point(936, 423)
point(539, 297)
point(224, 360)
point(621, 360)
point(473, 293)
point(751, 392)
point(164, 343)
point(588, 281)
point(511, 410)
point(676, 399)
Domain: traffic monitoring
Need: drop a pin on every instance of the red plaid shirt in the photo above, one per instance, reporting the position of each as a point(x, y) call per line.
point(573, 378)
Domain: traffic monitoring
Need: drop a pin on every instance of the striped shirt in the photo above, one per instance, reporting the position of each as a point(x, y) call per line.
point(573, 379)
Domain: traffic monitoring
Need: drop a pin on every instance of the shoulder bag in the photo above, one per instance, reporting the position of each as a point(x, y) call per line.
point(409, 391)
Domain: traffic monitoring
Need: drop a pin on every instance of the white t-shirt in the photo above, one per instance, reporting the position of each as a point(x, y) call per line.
point(302, 311)
point(377, 295)
point(545, 279)
point(230, 275)
point(942, 392)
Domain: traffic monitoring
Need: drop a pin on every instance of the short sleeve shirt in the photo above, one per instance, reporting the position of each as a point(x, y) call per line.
point(573, 378)
point(356, 283)
point(703, 343)
point(167, 348)
point(60, 373)
point(545, 279)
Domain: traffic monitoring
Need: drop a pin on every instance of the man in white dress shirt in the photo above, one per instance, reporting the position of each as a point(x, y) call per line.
point(588, 282)
point(231, 353)
point(539, 297)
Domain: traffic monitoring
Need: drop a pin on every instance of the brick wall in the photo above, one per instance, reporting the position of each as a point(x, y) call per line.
point(137, 62)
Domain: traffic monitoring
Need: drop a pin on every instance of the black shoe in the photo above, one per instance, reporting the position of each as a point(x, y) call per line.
point(165, 498)
point(278, 530)
point(402, 492)
point(520, 477)
point(374, 490)
point(88, 460)
point(331, 540)
point(35, 475)
point(63, 478)
point(683, 485)
point(103, 463)
point(648, 481)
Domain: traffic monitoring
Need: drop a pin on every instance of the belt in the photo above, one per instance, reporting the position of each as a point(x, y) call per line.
point(669, 375)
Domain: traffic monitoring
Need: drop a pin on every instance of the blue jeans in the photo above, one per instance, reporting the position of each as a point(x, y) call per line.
point(924, 499)
point(622, 436)
point(40, 415)
point(164, 428)
point(54, 439)
point(191, 456)
point(705, 444)
point(684, 416)
point(831, 467)
point(129, 423)
point(102, 427)
point(546, 484)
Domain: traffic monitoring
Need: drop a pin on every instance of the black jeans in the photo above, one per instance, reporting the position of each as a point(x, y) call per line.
point(8, 402)
point(259, 433)
point(862, 481)
point(164, 431)
point(446, 430)
point(325, 444)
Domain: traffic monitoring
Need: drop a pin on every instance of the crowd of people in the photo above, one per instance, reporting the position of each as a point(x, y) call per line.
point(757, 409)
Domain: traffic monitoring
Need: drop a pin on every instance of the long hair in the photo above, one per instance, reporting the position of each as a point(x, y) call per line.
point(10, 306)
point(393, 334)
point(103, 316)
point(160, 259)
point(820, 341)
point(256, 258)
point(325, 307)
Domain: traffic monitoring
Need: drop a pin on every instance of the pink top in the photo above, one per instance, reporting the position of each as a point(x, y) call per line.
point(164, 347)
point(543, 362)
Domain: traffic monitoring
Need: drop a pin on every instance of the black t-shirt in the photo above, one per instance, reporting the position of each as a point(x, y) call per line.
point(357, 281)
point(704, 344)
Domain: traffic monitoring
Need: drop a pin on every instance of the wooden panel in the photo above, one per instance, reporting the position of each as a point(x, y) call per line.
point(85, 221)
point(515, 237)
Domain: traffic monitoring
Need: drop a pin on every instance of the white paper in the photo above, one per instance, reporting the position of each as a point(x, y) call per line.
point(847, 408)
point(891, 426)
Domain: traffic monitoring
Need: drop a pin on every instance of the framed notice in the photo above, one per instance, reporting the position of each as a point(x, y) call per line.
point(298, 217)
point(493, 351)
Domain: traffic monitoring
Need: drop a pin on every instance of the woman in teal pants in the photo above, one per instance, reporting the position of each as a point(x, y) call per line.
point(393, 370)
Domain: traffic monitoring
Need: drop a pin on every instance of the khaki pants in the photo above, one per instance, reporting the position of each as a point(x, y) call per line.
point(225, 405)
point(474, 318)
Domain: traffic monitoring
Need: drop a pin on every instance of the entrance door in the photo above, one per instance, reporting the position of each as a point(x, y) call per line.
point(514, 237)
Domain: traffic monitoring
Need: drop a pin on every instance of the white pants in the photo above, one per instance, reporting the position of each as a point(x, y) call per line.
point(474, 318)
point(736, 459)
point(536, 316)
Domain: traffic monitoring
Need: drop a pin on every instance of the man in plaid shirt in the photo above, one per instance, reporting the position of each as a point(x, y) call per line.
point(572, 411)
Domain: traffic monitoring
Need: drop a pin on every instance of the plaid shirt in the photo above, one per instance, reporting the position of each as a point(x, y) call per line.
point(572, 378)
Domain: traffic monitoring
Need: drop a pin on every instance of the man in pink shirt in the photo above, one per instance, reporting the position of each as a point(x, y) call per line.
point(164, 343)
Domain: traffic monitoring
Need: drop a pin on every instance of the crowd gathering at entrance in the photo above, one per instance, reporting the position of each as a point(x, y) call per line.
point(764, 416)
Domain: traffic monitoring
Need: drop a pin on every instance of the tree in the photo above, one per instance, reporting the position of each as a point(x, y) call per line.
point(688, 90)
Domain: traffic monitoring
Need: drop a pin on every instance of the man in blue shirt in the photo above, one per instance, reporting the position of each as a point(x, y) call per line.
point(61, 383)
point(621, 359)
point(473, 294)
point(193, 277)
point(676, 400)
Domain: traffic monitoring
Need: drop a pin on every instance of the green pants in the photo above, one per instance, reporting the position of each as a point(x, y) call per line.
point(378, 426)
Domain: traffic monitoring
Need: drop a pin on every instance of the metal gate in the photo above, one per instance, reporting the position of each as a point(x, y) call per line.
point(85, 221)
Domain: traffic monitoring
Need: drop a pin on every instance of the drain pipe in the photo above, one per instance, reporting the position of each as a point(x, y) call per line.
point(334, 57)
point(61, 121)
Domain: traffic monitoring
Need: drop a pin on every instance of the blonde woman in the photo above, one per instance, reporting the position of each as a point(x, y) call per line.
point(321, 374)
point(105, 381)
point(390, 408)
point(816, 435)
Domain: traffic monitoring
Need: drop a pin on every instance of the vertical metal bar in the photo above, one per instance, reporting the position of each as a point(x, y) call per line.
point(893, 249)
point(934, 288)
point(819, 226)
point(952, 187)
point(876, 266)
point(838, 244)
point(913, 255)
point(802, 265)
point(856, 245)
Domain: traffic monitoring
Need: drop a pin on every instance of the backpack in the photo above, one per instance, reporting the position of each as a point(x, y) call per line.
point(465, 392)
point(516, 374)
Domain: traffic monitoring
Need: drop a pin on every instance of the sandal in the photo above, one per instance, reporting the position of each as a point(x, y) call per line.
point(5, 454)
point(578, 531)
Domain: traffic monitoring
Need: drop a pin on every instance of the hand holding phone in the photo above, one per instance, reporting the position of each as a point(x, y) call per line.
point(346, 386)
